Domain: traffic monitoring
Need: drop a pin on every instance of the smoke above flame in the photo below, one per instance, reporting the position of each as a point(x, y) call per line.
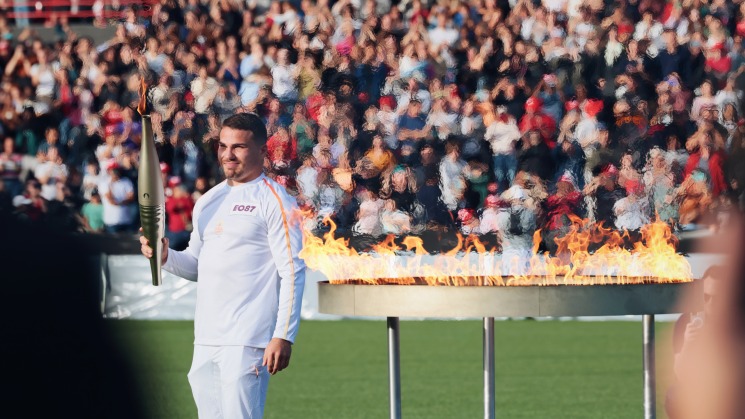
point(589, 254)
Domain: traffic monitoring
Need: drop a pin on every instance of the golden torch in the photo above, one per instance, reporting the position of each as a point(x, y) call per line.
point(151, 196)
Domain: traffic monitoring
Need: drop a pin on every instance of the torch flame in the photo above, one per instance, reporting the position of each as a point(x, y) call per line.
point(589, 254)
point(141, 107)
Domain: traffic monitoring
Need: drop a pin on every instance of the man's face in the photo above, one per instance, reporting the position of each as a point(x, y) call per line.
point(427, 155)
point(670, 40)
point(239, 155)
point(52, 136)
point(34, 189)
point(414, 108)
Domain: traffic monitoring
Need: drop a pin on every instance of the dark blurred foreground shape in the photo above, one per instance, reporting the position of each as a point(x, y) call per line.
point(57, 358)
point(708, 347)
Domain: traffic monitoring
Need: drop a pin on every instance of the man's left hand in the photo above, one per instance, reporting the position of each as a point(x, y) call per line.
point(277, 355)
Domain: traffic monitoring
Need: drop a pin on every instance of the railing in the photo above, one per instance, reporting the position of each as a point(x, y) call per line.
point(38, 10)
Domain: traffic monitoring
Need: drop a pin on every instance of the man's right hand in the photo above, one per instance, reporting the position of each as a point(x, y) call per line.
point(147, 251)
point(693, 330)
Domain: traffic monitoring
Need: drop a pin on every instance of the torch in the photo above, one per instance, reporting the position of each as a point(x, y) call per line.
point(150, 191)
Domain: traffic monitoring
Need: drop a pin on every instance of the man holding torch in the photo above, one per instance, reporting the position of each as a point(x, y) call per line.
point(244, 255)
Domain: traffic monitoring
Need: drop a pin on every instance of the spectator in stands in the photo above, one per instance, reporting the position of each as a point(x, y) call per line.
point(503, 135)
point(178, 214)
point(118, 197)
point(363, 87)
point(50, 172)
point(452, 176)
point(31, 206)
point(92, 213)
point(632, 212)
point(10, 168)
point(516, 224)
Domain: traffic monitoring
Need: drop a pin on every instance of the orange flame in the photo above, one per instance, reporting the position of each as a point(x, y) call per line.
point(142, 106)
point(576, 262)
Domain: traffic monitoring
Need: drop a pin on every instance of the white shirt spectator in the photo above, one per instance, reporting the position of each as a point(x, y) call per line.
point(439, 36)
point(443, 122)
point(307, 181)
point(50, 173)
point(204, 92)
point(723, 97)
point(583, 31)
point(573, 8)
point(586, 131)
point(283, 84)
point(501, 136)
point(329, 200)
point(652, 31)
point(406, 65)
point(46, 78)
point(516, 248)
point(453, 182)
point(290, 19)
point(120, 189)
point(90, 182)
point(489, 222)
point(469, 124)
point(631, 213)
point(556, 6)
point(395, 222)
point(370, 218)
point(389, 127)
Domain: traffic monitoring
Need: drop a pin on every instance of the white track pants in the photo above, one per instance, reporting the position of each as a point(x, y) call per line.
point(228, 382)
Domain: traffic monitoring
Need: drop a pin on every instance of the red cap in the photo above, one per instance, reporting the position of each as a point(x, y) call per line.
point(625, 29)
point(112, 164)
point(164, 168)
point(465, 215)
point(593, 107)
point(609, 170)
point(492, 201)
point(387, 100)
point(566, 177)
point(533, 104)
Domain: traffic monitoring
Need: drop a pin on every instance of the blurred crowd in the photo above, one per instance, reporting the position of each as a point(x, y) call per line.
point(481, 116)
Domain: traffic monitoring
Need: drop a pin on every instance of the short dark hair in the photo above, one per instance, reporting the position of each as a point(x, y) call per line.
point(248, 122)
point(714, 272)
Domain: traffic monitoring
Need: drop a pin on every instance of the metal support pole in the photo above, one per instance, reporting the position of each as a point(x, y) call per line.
point(650, 403)
point(394, 368)
point(489, 410)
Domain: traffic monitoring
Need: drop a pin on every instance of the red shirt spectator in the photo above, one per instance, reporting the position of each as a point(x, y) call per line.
point(536, 120)
point(178, 210)
point(715, 170)
point(718, 61)
point(281, 149)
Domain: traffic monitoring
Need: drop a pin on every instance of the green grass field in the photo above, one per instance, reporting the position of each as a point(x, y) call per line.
point(546, 369)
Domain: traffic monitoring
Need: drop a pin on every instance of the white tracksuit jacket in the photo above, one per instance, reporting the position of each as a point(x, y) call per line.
point(244, 251)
